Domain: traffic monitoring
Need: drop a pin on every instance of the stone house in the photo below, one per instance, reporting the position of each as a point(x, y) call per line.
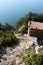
point(35, 29)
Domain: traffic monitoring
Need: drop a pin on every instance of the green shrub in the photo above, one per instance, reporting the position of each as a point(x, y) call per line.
point(34, 59)
point(1, 33)
point(8, 39)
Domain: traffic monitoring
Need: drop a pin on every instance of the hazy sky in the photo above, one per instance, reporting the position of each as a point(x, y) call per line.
point(13, 10)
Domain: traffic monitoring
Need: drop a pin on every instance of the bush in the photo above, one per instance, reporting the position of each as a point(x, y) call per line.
point(8, 39)
point(1, 33)
point(34, 59)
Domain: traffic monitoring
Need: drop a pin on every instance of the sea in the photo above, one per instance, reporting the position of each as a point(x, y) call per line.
point(12, 11)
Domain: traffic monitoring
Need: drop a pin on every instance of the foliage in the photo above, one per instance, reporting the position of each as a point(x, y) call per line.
point(34, 59)
point(20, 23)
point(22, 29)
point(6, 27)
point(24, 20)
point(7, 38)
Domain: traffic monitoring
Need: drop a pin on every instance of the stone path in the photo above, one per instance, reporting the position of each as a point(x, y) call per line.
point(10, 57)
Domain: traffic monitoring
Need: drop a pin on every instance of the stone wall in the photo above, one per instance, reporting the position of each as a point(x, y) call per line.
point(36, 33)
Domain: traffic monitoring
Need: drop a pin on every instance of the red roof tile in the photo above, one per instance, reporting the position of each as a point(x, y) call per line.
point(36, 25)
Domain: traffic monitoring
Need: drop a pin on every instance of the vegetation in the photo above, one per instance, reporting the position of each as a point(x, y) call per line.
point(33, 59)
point(24, 21)
point(22, 27)
point(7, 37)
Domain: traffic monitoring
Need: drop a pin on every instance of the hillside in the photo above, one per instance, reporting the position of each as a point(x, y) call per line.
point(17, 49)
point(24, 21)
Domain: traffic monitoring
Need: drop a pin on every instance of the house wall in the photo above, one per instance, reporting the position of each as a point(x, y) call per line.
point(36, 33)
point(29, 23)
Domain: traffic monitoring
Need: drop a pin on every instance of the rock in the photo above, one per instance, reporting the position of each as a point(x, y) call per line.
point(27, 47)
point(18, 61)
point(4, 58)
point(22, 63)
point(9, 50)
point(36, 49)
point(40, 48)
point(13, 62)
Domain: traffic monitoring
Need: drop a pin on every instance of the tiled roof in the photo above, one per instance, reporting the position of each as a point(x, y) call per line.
point(36, 25)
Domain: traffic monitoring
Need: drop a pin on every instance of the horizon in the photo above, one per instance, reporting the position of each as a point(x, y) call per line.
point(11, 11)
